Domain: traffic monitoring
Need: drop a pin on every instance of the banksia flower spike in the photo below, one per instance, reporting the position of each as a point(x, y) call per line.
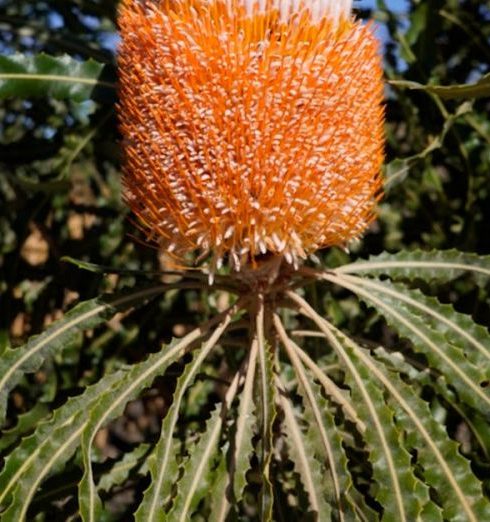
point(249, 127)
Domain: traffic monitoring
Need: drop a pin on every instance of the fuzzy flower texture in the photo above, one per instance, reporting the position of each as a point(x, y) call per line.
point(249, 126)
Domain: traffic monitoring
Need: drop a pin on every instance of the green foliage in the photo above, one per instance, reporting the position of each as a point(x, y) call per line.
point(18, 362)
point(42, 75)
point(437, 266)
point(372, 404)
point(479, 89)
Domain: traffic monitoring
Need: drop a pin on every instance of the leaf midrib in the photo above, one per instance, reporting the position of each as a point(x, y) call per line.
point(56, 78)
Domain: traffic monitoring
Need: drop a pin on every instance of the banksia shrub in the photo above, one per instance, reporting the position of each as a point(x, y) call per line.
point(252, 137)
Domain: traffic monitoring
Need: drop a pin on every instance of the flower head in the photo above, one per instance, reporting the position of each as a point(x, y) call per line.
point(250, 126)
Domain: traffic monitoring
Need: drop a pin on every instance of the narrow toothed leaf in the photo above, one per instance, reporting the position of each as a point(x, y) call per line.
point(412, 496)
point(244, 428)
point(197, 469)
point(25, 422)
point(156, 496)
point(242, 447)
point(112, 403)
point(441, 464)
point(15, 363)
point(458, 329)
point(197, 473)
point(266, 406)
point(333, 392)
point(219, 508)
point(47, 449)
point(426, 339)
point(303, 457)
point(402, 495)
point(458, 489)
point(322, 433)
point(420, 378)
point(135, 460)
point(436, 265)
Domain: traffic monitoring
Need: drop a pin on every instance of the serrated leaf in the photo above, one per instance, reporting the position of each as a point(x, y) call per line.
point(245, 424)
point(333, 392)
point(15, 363)
point(121, 470)
point(418, 378)
point(197, 468)
point(60, 77)
point(197, 471)
point(112, 403)
point(219, 508)
point(400, 493)
point(435, 265)
point(322, 433)
point(302, 455)
point(441, 355)
point(462, 493)
point(25, 422)
point(163, 473)
point(266, 407)
point(338, 456)
point(459, 329)
point(416, 499)
point(220, 280)
point(47, 449)
point(444, 468)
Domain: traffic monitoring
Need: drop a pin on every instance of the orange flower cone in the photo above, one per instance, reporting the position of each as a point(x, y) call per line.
point(250, 128)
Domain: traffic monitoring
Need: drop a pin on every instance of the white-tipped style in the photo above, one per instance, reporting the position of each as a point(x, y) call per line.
point(335, 10)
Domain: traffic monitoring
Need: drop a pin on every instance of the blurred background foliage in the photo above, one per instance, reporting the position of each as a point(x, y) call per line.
point(60, 192)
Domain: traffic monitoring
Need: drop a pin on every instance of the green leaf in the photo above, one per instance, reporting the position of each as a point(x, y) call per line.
point(46, 450)
point(458, 329)
point(219, 508)
point(400, 493)
point(415, 494)
point(242, 447)
point(137, 458)
point(162, 465)
point(436, 265)
point(63, 77)
point(112, 403)
point(333, 392)
point(420, 378)
point(302, 455)
point(102, 269)
point(479, 89)
point(322, 432)
point(15, 363)
point(197, 471)
point(322, 429)
point(389, 455)
point(443, 467)
point(26, 422)
point(267, 412)
point(441, 355)
point(192, 276)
